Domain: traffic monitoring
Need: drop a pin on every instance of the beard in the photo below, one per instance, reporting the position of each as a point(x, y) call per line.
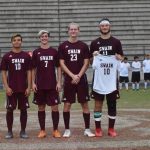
point(105, 33)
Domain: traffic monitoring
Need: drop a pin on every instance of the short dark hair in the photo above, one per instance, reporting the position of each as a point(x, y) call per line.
point(125, 58)
point(136, 57)
point(16, 35)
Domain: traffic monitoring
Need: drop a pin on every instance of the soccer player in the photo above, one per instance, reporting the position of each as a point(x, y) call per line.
point(136, 68)
point(106, 50)
point(45, 85)
point(124, 73)
point(74, 60)
point(16, 76)
point(146, 70)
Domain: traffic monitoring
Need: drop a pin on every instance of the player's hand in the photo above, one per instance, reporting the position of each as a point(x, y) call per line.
point(27, 92)
point(9, 91)
point(119, 57)
point(58, 87)
point(95, 53)
point(75, 79)
point(34, 87)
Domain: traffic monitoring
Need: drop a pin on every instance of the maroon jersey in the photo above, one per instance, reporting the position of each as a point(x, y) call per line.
point(17, 65)
point(73, 54)
point(45, 61)
point(106, 46)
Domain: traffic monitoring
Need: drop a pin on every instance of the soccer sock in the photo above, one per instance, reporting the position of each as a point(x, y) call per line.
point(55, 119)
point(137, 86)
point(145, 85)
point(41, 117)
point(66, 116)
point(126, 85)
point(86, 117)
point(97, 118)
point(23, 119)
point(9, 119)
point(111, 122)
point(133, 86)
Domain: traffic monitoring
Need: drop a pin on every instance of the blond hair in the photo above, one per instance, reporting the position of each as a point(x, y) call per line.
point(73, 23)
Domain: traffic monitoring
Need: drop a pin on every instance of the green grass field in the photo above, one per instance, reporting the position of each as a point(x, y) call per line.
point(128, 99)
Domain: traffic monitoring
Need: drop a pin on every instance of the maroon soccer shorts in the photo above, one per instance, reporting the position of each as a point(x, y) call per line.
point(49, 97)
point(17, 98)
point(71, 91)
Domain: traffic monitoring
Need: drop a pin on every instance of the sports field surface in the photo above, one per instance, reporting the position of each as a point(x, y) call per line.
point(132, 125)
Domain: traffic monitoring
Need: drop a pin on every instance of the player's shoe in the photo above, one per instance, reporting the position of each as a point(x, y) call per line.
point(42, 134)
point(23, 135)
point(98, 132)
point(56, 134)
point(9, 135)
point(112, 132)
point(67, 133)
point(87, 132)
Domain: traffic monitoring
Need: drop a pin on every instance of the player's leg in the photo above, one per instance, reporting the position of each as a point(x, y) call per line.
point(52, 99)
point(99, 98)
point(120, 82)
point(11, 104)
point(9, 121)
point(126, 83)
point(111, 104)
point(137, 80)
point(146, 80)
point(40, 100)
point(86, 117)
point(23, 104)
point(68, 98)
point(133, 79)
point(83, 98)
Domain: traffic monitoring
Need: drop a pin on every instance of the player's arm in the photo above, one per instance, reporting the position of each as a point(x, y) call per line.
point(84, 67)
point(4, 79)
point(27, 92)
point(34, 87)
point(75, 78)
point(59, 79)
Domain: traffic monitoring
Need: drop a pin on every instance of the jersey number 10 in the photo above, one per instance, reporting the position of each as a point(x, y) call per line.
point(106, 71)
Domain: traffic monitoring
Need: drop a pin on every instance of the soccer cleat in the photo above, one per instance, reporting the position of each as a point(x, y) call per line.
point(42, 134)
point(112, 132)
point(9, 135)
point(56, 134)
point(88, 133)
point(67, 133)
point(98, 132)
point(23, 135)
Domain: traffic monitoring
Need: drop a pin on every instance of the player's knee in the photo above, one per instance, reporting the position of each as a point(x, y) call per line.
point(85, 107)
point(41, 107)
point(54, 108)
point(67, 107)
point(9, 110)
point(97, 116)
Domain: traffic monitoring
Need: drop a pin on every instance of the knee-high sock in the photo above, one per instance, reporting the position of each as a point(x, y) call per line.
point(9, 119)
point(55, 119)
point(86, 117)
point(23, 119)
point(66, 116)
point(41, 117)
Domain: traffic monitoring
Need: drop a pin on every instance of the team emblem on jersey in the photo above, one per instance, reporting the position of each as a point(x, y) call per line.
point(64, 99)
point(66, 46)
point(10, 56)
point(98, 42)
point(56, 100)
point(39, 53)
